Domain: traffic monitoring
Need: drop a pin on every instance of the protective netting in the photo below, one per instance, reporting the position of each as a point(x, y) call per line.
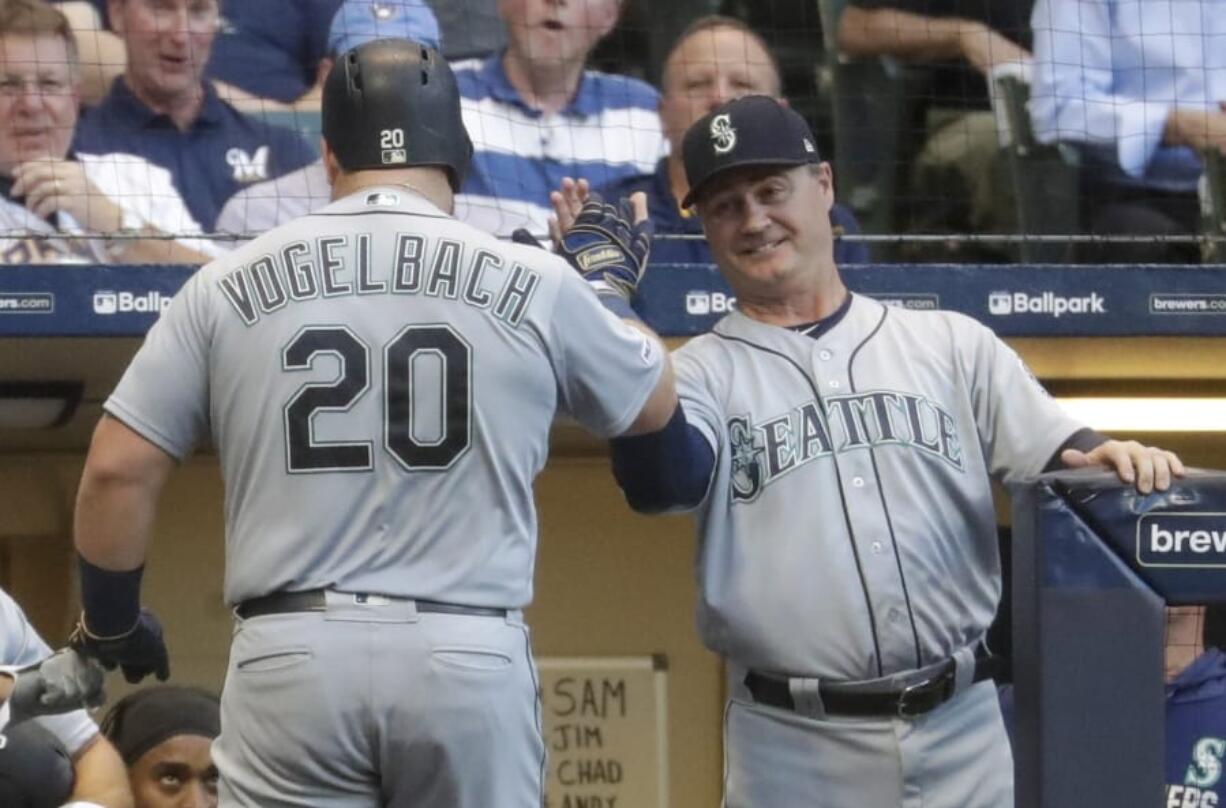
point(958, 131)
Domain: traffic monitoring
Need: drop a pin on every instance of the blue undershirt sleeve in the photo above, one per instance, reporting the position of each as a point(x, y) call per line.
point(1084, 440)
point(670, 468)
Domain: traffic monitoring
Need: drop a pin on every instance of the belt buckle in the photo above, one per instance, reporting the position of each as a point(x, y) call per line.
point(922, 697)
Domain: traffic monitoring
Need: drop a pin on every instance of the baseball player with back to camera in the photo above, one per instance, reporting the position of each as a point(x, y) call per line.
point(369, 374)
point(837, 453)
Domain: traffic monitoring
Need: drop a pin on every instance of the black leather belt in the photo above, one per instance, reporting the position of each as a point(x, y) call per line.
point(314, 600)
point(893, 696)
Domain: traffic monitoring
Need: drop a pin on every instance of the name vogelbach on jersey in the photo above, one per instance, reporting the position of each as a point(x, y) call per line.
point(300, 271)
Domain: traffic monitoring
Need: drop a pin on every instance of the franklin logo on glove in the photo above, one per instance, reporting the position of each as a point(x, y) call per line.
point(598, 257)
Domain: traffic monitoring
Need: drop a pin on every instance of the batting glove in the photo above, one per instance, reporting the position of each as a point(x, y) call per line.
point(138, 652)
point(62, 682)
point(607, 248)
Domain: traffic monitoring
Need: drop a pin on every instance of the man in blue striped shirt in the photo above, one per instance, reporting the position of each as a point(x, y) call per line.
point(535, 115)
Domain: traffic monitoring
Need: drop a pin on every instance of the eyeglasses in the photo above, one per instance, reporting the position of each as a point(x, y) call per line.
point(15, 86)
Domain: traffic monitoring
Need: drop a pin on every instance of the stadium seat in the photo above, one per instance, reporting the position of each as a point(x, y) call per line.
point(872, 109)
point(1045, 177)
point(1213, 207)
point(307, 123)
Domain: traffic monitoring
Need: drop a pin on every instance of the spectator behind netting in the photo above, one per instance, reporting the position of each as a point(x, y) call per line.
point(1142, 87)
point(470, 28)
point(716, 59)
point(162, 109)
point(1195, 708)
point(268, 204)
point(164, 734)
point(54, 200)
point(290, 35)
point(535, 115)
point(265, 58)
point(958, 179)
point(270, 50)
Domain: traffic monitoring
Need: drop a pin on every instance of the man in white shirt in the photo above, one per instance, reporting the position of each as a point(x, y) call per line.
point(58, 207)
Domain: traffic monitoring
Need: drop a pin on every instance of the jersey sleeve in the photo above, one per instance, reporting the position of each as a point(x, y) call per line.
point(1020, 424)
point(605, 368)
point(20, 646)
point(163, 395)
point(696, 391)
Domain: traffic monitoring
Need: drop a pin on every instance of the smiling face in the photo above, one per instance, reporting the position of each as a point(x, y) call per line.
point(769, 227)
point(177, 773)
point(168, 43)
point(38, 98)
point(556, 32)
point(707, 68)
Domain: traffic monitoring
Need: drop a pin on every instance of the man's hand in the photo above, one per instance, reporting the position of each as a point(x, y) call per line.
point(62, 682)
point(985, 48)
point(567, 201)
point(1201, 129)
point(609, 244)
point(49, 186)
point(1148, 467)
point(138, 652)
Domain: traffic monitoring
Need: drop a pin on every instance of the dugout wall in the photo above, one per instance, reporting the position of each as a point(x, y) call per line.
point(1094, 565)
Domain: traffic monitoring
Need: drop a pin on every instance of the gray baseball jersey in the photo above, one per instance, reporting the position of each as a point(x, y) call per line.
point(20, 645)
point(380, 381)
point(849, 530)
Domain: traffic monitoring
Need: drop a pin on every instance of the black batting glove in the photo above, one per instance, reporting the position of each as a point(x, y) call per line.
point(607, 248)
point(138, 652)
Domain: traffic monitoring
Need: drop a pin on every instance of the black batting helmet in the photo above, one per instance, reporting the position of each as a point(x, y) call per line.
point(394, 103)
point(35, 770)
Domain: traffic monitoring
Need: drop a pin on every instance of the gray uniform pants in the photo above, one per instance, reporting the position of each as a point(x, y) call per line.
point(376, 705)
point(956, 756)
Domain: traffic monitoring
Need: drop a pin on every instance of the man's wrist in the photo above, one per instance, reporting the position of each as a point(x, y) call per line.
point(132, 228)
point(110, 600)
point(1176, 132)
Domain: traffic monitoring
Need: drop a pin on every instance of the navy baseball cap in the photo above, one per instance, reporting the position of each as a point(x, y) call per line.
point(359, 21)
point(753, 130)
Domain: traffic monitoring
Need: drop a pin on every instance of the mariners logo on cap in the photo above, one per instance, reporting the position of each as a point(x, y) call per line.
point(722, 133)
